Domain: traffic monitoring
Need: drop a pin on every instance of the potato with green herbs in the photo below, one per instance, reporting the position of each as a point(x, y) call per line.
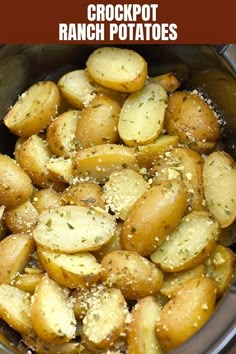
point(192, 119)
point(133, 274)
point(15, 185)
point(46, 198)
point(119, 69)
point(186, 312)
point(34, 109)
point(153, 217)
point(219, 180)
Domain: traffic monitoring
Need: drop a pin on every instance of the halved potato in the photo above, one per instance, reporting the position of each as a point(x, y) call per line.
point(15, 252)
point(133, 274)
point(141, 331)
point(27, 281)
point(15, 308)
point(122, 190)
point(61, 133)
point(186, 312)
point(105, 320)
point(142, 115)
point(97, 163)
point(98, 123)
point(189, 244)
point(52, 312)
point(220, 267)
point(153, 216)
point(15, 185)
point(46, 198)
point(61, 169)
point(34, 109)
point(116, 68)
point(219, 179)
point(73, 228)
point(168, 81)
point(71, 270)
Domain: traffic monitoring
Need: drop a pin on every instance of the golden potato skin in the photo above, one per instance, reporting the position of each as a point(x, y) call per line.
point(186, 312)
point(98, 122)
point(190, 117)
point(153, 216)
point(133, 274)
point(15, 185)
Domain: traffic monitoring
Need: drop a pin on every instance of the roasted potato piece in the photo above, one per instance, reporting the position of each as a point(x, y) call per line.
point(168, 81)
point(148, 154)
point(61, 133)
point(97, 163)
point(219, 179)
point(121, 270)
point(52, 313)
point(189, 244)
point(61, 169)
point(15, 308)
point(192, 119)
point(105, 320)
point(186, 312)
point(153, 216)
point(141, 331)
point(116, 68)
point(220, 267)
point(22, 218)
point(72, 228)
point(173, 282)
point(34, 109)
point(27, 281)
point(183, 164)
point(142, 115)
point(15, 252)
point(70, 270)
point(45, 199)
point(122, 190)
point(15, 184)
point(84, 194)
point(98, 123)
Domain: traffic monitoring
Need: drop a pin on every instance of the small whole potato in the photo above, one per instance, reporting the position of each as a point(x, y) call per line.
point(192, 119)
point(15, 185)
point(133, 274)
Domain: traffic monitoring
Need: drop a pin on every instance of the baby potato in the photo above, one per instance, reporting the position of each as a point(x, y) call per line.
point(98, 162)
point(73, 228)
point(105, 320)
point(220, 267)
point(141, 331)
point(189, 244)
point(192, 119)
point(153, 216)
point(70, 270)
point(116, 68)
point(98, 123)
point(46, 198)
point(61, 169)
point(133, 274)
point(34, 109)
point(142, 115)
point(52, 312)
point(15, 185)
point(183, 164)
point(15, 308)
point(27, 281)
point(122, 190)
point(186, 312)
point(15, 252)
point(22, 218)
point(61, 133)
point(168, 81)
point(219, 180)
point(84, 194)
point(148, 154)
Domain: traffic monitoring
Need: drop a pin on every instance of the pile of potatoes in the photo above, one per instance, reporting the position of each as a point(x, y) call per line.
point(113, 211)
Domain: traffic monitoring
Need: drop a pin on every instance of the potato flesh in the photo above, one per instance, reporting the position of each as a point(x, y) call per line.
point(189, 244)
point(119, 69)
point(73, 229)
point(142, 115)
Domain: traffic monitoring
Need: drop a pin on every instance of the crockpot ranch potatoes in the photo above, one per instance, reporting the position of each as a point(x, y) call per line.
point(114, 209)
